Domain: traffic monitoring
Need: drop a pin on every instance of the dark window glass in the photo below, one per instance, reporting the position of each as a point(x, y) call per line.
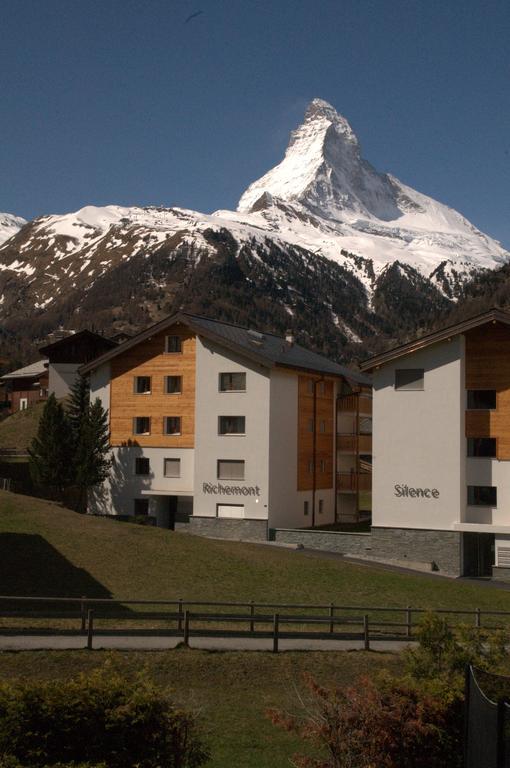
point(141, 425)
point(481, 446)
point(232, 382)
point(231, 425)
point(321, 506)
point(481, 399)
point(142, 466)
point(482, 495)
point(172, 425)
point(409, 378)
point(173, 385)
point(229, 469)
point(305, 508)
point(141, 507)
point(142, 385)
point(173, 344)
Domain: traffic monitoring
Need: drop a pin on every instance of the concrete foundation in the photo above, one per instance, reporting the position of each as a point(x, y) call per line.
point(229, 528)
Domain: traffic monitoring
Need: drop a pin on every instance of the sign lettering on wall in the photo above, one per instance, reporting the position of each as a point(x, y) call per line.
point(406, 490)
point(231, 490)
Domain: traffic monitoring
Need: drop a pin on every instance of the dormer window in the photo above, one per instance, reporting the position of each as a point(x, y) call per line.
point(173, 344)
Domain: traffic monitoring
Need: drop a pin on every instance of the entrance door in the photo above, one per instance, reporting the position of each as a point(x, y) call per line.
point(172, 510)
point(23, 403)
point(478, 554)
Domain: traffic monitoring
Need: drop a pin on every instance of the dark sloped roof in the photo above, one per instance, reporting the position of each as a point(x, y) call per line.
point(264, 348)
point(73, 337)
point(492, 316)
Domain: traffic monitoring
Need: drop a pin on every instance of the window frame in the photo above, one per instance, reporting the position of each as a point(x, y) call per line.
point(480, 408)
point(165, 430)
point(472, 440)
point(144, 459)
point(409, 386)
point(135, 385)
point(231, 373)
point(174, 459)
point(141, 434)
point(473, 503)
point(231, 434)
point(172, 376)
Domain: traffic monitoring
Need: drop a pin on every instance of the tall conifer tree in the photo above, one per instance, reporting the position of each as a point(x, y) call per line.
point(51, 451)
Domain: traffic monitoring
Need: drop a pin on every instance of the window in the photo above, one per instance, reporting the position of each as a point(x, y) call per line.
point(322, 427)
point(172, 467)
point(142, 385)
point(141, 507)
point(305, 508)
point(323, 465)
point(321, 506)
point(231, 425)
point(310, 466)
point(481, 399)
point(309, 386)
point(232, 382)
point(322, 388)
point(409, 378)
point(173, 385)
point(173, 344)
point(229, 469)
point(482, 496)
point(230, 510)
point(172, 425)
point(310, 425)
point(142, 466)
point(142, 425)
point(481, 446)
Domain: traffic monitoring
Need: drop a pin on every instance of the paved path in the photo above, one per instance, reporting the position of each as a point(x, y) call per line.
point(134, 643)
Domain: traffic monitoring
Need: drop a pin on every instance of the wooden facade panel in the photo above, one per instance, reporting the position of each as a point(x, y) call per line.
point(150, 359)
point(324, 472)
point(488, 367)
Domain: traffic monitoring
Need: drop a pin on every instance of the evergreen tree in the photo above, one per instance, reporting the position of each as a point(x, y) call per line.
point(78, 405)
point(51, 452)
point(91, 460)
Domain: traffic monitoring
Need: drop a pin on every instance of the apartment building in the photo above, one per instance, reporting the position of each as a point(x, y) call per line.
point(229, 431)
point(441, 444)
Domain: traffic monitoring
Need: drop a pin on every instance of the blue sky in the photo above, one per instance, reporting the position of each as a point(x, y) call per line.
point(123, 101)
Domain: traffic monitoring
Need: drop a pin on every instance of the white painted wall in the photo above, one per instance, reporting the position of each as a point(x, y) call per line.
point(253, 447)
point(61, 377)
point(418, 440)
point(481, 471)
point(100, 385)
point(286, 503)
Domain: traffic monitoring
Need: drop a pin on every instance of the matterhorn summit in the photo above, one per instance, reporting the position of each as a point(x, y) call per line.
point(358, 209)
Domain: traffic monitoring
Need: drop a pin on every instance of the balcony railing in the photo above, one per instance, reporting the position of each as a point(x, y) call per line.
point(349, 404)
point(354, 443)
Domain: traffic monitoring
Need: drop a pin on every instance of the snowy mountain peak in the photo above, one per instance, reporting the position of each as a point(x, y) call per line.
point(319, 110)
point(9, 225)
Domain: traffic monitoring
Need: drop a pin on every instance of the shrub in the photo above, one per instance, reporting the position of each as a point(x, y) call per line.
point(96, 719)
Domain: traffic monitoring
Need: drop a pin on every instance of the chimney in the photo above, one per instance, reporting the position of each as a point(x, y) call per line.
point(289, 337)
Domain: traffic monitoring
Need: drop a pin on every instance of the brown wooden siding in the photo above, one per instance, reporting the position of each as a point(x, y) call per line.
point(324, 440)
point(488, 367)
point(149, 359)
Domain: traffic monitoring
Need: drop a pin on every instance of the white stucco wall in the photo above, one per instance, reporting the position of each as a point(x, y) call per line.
point(481, 471)
point(253, 447)
point(418, 440)
point(286, 503)
point(100, 385)
point(61, 377)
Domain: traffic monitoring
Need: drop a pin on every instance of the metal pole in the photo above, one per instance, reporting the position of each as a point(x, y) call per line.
point(90, 628)
point(252, 611)
point(186, 628)
point(331, 616)
point(276, 621)
point(366, 637)
point(83, 614)
point(408, 621)
point(179, 620)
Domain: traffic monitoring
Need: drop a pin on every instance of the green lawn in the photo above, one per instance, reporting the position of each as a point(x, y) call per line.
point(48, 550)
point(230, 691)
point(19, 429)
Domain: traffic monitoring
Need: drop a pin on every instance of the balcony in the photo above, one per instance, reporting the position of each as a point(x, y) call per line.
point(350, 482)
point(351, 404)
point(354, 443)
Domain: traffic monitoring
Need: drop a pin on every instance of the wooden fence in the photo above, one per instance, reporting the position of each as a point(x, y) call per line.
point(98, 616)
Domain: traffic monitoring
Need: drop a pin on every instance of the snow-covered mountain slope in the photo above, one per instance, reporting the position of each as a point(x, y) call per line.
point(9, 225)
point(353, 207)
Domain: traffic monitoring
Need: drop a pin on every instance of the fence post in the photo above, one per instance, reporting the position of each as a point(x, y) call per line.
point(83, 611)
point(90, 628)
point(276, 622)
point(331, 616)
point(478, 619)
point(252, 612)
point(366, 637)
point(186, 628)
point(179, 620)
point(409, 630)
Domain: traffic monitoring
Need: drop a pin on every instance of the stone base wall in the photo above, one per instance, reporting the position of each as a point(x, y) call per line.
point(500, 574)
point(440, 548)
point(229, 528)
point(329, 541)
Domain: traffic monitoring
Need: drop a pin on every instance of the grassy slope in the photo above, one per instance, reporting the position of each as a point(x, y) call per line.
point(230, 691)
point(46, 549)
point(19, 429)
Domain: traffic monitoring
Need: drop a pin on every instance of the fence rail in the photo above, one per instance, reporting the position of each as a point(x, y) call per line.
point(184, 618)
